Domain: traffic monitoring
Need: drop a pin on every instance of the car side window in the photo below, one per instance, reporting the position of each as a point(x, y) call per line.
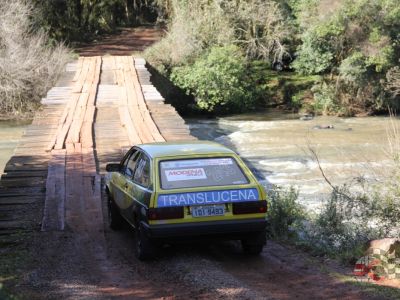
point(142, 172)
point(130, 163)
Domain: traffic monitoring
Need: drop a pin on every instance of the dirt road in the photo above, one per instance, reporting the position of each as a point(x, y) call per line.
point(125, 42)
point(97, 263)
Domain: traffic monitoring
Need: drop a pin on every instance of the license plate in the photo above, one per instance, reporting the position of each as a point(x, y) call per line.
point(208, 211)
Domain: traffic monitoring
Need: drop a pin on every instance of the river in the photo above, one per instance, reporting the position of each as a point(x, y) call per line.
point(279, 148)
point(10, 134)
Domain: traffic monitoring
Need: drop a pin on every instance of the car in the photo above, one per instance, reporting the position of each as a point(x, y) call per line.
point(186, 191)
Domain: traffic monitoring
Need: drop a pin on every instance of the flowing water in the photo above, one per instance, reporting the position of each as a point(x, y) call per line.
point(279, 148)
point(10, 134)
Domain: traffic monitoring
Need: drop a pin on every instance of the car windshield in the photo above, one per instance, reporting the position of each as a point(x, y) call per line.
point(188, 173)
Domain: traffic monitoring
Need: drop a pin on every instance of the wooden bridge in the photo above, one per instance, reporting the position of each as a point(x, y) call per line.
point(100, 107)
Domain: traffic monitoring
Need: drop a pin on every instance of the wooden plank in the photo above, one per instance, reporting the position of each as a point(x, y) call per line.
point(77, 120)
point(126, 123)
point(78, 69)
point(62, 133)
point(142, 104)
point(79, 83)
point(53, 215)
point(136, 117)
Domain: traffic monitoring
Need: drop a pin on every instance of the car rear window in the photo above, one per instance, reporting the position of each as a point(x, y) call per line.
point(188, 173)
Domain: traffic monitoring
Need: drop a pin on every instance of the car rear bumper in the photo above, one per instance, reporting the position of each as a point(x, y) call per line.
point(235, 229)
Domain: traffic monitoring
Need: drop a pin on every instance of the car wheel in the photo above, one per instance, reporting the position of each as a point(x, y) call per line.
point(115, 220)
point(252, 249)
point(144, 247)
point(254, 244)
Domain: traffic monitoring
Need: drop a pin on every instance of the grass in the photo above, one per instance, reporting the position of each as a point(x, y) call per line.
point(386, 292)
point(13, 260)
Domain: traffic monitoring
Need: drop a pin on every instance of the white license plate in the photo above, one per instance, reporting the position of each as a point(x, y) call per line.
point(208, 211)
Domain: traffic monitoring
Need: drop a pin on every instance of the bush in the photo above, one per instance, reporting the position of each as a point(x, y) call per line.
point(354, 42)
point(325, 99)
point(218, 80)
point(28, 67)
point(313, 57)
point(195, 26)
point(260, 28)
point(285, 214)
point(349, 219)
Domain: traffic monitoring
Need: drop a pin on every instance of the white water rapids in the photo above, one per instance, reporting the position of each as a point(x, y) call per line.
point(278, 147)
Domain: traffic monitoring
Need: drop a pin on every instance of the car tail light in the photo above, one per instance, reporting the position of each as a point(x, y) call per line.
point(164, 213)
point(251, 207)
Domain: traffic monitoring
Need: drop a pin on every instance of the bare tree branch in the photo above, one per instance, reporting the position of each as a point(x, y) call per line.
point(334, 188)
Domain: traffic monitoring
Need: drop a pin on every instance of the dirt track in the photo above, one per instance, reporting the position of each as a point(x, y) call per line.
point(125, 42)
point(93, 262)
point(97, 263)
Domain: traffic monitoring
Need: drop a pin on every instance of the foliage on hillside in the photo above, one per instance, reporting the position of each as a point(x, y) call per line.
point(255, 27)
point(353, 45)
point(349, 50)
point(356, 43)
point(28, 66)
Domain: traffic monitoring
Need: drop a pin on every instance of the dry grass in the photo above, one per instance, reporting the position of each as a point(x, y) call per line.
point(194, 27)
point(257, 26)
point(28, 66)
point(260, 29)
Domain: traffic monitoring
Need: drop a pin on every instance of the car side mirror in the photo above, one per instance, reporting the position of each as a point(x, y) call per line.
point(112, 167)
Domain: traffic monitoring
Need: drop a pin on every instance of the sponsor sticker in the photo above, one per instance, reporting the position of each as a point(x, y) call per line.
point(210, 197)
point(185, 174)
point(196, 163)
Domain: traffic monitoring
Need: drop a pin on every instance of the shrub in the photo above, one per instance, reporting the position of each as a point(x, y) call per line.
point(260, 28)
point(313, 56)
point(217, 80)
point(285, 214)
point(28, 67)
point(195, 26)
point(353, 69)
point(347, 221)
point(325, 98)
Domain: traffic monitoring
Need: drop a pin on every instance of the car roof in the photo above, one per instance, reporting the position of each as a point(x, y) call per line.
point(184, 148)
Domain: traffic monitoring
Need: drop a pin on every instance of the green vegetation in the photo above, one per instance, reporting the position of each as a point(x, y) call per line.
point(285, 214)
point(354, 44)
point(201, 31)
point(345, 52)
point(343, 226)
point(14, 258)
point(383, 291)
point(351, 50)
point(217, 79)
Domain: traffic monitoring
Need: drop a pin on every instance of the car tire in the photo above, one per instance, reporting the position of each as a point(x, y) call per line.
point(252, 249)
point(115, 220)
point(254, 244)
point(144, 247)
